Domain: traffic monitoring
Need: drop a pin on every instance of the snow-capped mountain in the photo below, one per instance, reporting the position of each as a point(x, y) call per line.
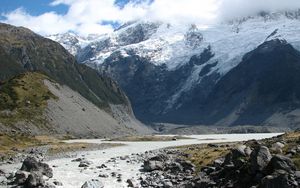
point(72, 42)
point(170, 71)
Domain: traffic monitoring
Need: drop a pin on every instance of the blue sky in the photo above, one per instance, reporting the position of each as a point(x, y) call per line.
point(35, 7)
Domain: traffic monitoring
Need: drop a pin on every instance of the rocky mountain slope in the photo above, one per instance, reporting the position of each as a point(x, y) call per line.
point(72, 85)
point(173, 73)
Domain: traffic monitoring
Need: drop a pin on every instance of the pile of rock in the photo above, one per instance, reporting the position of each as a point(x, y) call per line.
point(246, 167)
point(33, 174)
point(166, 169)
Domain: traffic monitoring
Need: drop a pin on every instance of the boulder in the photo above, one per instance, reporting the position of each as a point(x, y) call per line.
point(93, 184)
point(35, 180)
point(21, 177)
point(278, 179)
point(277, 147)
point(103, 175)
point(160, 157)
point(85, 163)
point(260, 158)
point(130, 183)
point(150, 166)
point(239, 152)
point(57, 183)
point(187, 165)
point(31, 164)
point(174, 167)
point(218, 162)
point(279, 162)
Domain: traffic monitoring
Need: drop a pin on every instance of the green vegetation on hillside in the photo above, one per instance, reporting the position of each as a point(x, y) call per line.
point(24, 98)
point(22, 50)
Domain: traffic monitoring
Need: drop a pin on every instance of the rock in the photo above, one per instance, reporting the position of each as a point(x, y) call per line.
point(213, 145)
point(93, 184)
point(292, 152)
point(160, 157)
point(167, 184)
point(150, 166)
point(78, 160)
point(239, 152)
point(204, 183)
point(102, 166)
point(228, 159)
point(21, 177)
point(57, 183)
point(85, 163)
point(277, 147)
point(279, 179)
point(260, 158)
point(248, 151)
point(187, 165)
point(279, 162)
point(218, 162)
point(35, 180)
point(175, 167)
point(30, 164)
point(103, 175)
point(130, 183)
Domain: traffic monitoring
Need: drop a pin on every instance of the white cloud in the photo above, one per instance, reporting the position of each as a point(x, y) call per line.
point(86, 16)
point(230, 9)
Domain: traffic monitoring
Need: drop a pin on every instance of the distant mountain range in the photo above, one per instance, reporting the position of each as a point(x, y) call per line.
point(242, 72)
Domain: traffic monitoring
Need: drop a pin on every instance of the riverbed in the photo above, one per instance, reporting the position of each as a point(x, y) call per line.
point(72, 176)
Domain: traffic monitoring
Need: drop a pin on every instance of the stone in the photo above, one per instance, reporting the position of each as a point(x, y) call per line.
point(160, 157)
point(239, 152)
point(218, 162)
point(85, 163)
point(130, 183)
point(35, 180)
point(260, 158)
point(57, 183)
point(93, 184)
point(167, 184)
point(279, 162)
point(278, 179)
point(150, 166)
point(248, 151)
point(103, 175)
point(277, 147)
point(30, 164)
point(78, 160)
point(187, 165)
point(213, 145)
point(21, 177)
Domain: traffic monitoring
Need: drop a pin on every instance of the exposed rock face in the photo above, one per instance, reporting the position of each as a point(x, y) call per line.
point(237, 98)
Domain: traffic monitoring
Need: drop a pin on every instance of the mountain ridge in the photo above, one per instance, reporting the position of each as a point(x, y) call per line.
point(177, 68)
point(22, 51)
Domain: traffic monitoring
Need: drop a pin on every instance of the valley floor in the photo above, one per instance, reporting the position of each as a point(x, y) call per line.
point(118, 164)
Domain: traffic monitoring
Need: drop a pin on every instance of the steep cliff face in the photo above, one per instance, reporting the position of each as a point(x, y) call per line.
point(23, 51)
